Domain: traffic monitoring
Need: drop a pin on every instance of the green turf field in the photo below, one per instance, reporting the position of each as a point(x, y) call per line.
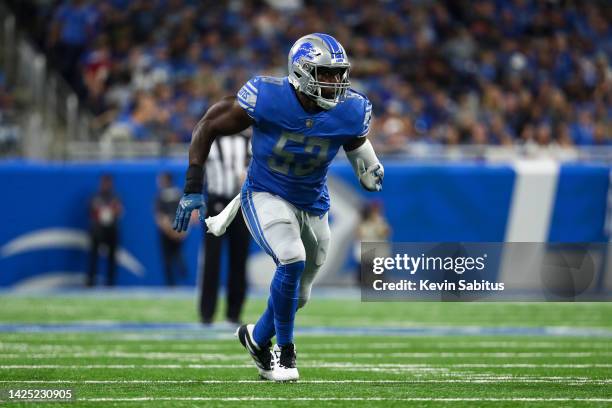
point(567, 364)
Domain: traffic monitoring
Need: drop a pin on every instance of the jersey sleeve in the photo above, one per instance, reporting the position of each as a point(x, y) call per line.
point(367, 119)
point(247, 98)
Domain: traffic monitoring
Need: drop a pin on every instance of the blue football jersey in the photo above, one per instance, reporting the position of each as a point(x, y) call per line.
point(293, 149)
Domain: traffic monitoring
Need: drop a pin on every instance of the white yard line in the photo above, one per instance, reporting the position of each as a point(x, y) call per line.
point(410, 399)
point(409, 344)
point(233, 356)
point(309, 365)
point(164, 331)
point(415, 381)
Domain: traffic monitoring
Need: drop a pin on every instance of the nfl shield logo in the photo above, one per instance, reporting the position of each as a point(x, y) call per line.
point(308, 123)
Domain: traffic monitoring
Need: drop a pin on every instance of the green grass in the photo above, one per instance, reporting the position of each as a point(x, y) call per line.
point(185, 369)
point(317, 312)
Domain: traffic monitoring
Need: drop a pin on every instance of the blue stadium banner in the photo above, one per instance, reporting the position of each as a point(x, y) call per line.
point(45, 244)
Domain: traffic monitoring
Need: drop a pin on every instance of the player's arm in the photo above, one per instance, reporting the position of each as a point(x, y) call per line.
point(225, 117)
point(366, 165)
point(360, 153)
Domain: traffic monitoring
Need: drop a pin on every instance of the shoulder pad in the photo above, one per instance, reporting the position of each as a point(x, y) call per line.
point(271, 80)
point(359, 111)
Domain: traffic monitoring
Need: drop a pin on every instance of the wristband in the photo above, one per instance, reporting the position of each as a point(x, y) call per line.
point(194, 179)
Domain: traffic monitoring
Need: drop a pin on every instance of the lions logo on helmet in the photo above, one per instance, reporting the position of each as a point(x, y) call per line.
point(307, 57)
point(306, 50)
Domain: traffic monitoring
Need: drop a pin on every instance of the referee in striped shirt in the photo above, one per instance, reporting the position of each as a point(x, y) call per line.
point(225, 171)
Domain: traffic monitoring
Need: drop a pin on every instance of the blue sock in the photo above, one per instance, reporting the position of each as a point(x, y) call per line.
point(285, 300)
point(284, 292)
point(264, 328)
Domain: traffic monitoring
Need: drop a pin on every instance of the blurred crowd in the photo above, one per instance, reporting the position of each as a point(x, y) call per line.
point(7, 99)
point(9, 131)
point(437, 72)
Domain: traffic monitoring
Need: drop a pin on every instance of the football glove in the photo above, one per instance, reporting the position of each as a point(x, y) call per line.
point(188, 203)
point(371, 178)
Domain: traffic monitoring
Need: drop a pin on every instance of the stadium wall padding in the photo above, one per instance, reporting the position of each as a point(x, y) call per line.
point(44, 212)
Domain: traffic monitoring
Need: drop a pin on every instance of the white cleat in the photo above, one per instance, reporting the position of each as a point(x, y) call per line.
point(262, 356)
point(284, 363)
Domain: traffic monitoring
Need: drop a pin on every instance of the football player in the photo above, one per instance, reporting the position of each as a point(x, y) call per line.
point(299, 124)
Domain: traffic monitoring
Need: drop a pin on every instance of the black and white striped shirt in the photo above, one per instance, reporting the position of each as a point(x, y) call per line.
point(226, 165)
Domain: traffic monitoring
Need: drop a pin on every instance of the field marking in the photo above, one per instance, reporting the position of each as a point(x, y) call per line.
point(359, 355)
point(155, 337)
point(408, 344)
point(531, 365)
point(196, 329)
point(354, 381)
point(465, 375)
point(317, 364)
point(407, 399)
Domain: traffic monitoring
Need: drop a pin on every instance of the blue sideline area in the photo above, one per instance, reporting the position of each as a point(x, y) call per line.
point(422, 202)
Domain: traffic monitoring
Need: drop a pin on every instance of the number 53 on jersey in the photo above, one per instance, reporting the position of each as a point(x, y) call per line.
point(298, 155)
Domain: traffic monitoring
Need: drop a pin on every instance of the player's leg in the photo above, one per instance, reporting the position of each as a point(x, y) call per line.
point(265, 324)
point(275, 227)
point(315, 236)
point(277, 230)
point(258, 349)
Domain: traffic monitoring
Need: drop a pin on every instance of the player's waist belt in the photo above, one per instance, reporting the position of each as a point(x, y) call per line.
point(218, 224)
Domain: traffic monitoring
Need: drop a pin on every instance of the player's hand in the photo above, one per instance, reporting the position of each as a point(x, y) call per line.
point(371, 178)
point(188, 203)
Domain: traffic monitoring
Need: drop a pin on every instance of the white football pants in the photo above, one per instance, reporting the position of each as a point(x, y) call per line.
point(287, 234)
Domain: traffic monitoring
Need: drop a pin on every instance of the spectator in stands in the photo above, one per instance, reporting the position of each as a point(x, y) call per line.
point(489, 71)
point(137, 123)
point(72, 28)
point(95, 72)
point(167, 200)
point(105, 209)
point(9, 131)
point(6, 97)
point(601, 135)
point(582, 130)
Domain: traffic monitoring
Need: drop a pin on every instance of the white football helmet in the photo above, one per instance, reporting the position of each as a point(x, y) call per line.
point(307, 56)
